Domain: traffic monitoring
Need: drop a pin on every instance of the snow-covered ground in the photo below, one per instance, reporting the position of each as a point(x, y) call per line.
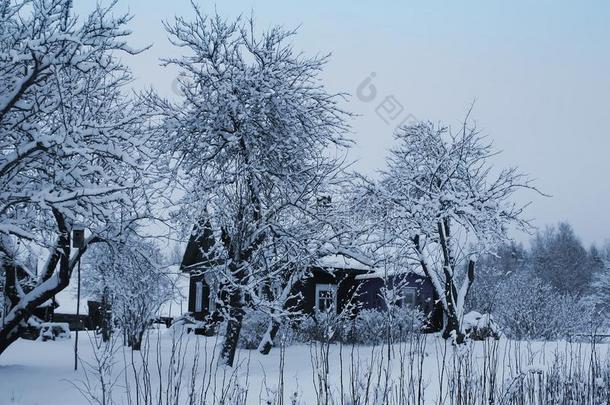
point(42, 373)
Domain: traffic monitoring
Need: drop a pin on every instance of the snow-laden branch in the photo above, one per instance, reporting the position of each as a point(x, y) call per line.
point(74, 149)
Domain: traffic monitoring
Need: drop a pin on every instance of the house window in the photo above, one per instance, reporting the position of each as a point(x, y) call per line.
point(326, 297)
point(409, 296)
point(212, 301)
point(198, 296)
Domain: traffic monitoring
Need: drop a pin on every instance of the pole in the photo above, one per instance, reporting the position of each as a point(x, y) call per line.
point(77, 317)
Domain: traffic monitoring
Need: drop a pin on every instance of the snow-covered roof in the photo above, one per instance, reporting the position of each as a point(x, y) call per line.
point(381, 273)
point(346, 260)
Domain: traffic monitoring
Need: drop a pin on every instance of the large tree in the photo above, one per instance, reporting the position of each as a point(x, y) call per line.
point(439, 198)
point(252, 142)
point(71, 146)
point(559, 258)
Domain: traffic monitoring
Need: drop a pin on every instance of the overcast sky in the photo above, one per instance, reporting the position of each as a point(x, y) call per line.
point(539, 72)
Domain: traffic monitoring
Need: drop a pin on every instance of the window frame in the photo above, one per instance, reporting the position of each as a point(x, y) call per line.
point(320, 287)
point(212, 301)
point(409, 297)
point(199, 296)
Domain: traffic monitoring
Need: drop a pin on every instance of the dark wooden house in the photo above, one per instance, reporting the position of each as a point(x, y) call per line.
point(348, 283)
point(343, 282)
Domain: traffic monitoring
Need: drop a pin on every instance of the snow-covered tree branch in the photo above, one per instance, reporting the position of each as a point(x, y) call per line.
point(255, 142)
point(440, 198)
point(72, 145)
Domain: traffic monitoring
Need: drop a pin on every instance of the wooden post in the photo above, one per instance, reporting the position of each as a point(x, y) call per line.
point(77, 317)
point(78, 242)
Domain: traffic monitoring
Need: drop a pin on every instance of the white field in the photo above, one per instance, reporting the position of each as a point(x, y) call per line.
point(42, 372)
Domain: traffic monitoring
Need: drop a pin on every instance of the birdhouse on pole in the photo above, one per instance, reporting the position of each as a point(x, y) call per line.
point(78, 236)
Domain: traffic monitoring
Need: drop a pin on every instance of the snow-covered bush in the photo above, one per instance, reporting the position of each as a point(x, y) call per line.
point(130, 277)
point(530, 308)
point(480, 327)
point(54, 331)
point(368, 327)
point(320, 327)
point(372, 326)
point(254, 326)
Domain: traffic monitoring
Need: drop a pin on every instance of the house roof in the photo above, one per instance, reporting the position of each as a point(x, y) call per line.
point(343, 262)
point(382, 273)
point(200, 245)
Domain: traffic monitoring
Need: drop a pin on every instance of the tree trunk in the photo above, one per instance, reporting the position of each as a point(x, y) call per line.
point(453, 328)
point(7, 338)
point(106, 315)
point(135, 342)
point(267, 341)
point(20, 308)
point(229, 347)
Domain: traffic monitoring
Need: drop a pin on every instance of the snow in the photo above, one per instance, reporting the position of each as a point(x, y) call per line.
point(50, 365)
point(479, 325)
point(471, 319)
point(67, 299)
point(379, 273)
point(341, 261)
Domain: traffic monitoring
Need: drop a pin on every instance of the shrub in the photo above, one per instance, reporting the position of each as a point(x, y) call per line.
point(373, 327)
point(320, 328)
point(480, 327)
point(369, 327)
point(530, 308)
point(254, 326)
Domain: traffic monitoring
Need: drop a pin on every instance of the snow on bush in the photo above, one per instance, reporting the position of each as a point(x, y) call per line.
point(372, 326)
point(530, 308)
point(319, 328)
point(368, 327)
point(129, 276)
point(54, 331)
point(254, 326)
point(480, 327)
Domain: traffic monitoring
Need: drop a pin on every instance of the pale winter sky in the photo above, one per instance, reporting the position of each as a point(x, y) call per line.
point(539, 72)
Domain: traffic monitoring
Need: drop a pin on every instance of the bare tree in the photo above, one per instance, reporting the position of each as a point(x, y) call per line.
point(600, 284)
point(251, 143)
point(71, 145)
point(559, 258)
point(438, 197)
point(493, 270)
point(130, 277)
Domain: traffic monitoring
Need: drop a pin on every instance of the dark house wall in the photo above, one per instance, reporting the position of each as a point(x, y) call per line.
point(351, 291)
point(305, 291)
point(198, 257)
point(366, 293)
